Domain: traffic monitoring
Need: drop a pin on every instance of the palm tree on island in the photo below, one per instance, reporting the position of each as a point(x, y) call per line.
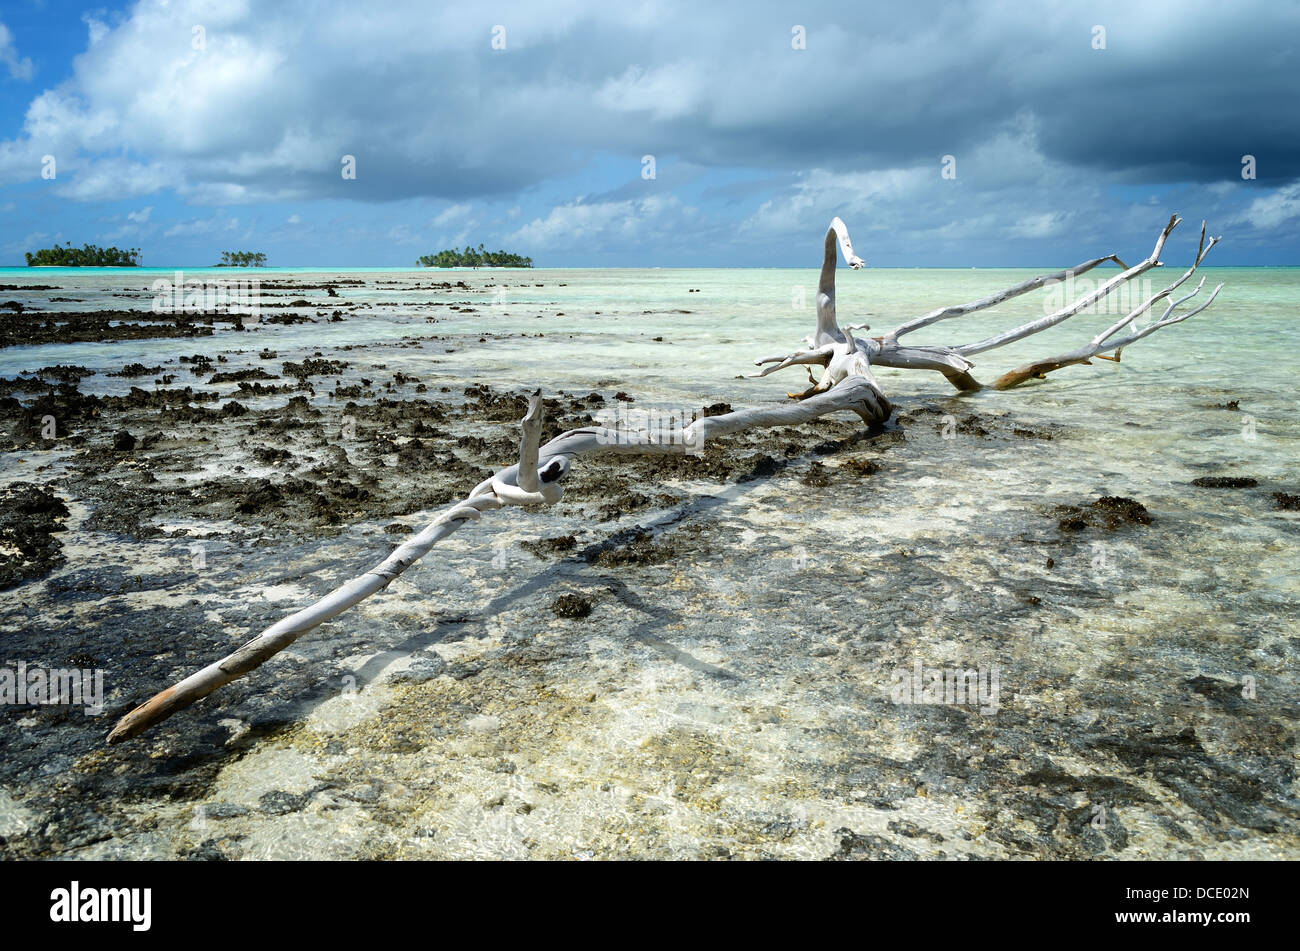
point(242, 259)
point(474, 257)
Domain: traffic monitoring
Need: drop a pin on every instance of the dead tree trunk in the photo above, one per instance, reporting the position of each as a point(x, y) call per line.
point(846, 384)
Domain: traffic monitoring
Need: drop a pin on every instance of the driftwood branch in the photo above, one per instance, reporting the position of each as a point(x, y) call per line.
point(1106, 341)
point(1087, 300)
point(846, 384)
point(1033, 284)
point(543, 467)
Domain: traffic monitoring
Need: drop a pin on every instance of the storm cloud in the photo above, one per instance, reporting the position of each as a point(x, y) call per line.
point(1063, 121)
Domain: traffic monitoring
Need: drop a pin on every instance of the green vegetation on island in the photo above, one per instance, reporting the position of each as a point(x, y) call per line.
point(242, 259)
point(91, 255)
point(474, 257)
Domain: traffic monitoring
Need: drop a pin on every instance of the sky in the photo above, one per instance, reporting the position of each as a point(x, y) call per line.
point(591, 133)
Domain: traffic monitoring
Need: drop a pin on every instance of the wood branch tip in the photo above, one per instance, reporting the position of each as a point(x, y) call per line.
point(535, 408)
point(137, 719)
point(120, 734)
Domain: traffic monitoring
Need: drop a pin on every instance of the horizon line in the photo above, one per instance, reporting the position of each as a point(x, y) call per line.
point(569, 267)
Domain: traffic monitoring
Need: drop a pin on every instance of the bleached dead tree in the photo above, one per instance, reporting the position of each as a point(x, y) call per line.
point(846, 384)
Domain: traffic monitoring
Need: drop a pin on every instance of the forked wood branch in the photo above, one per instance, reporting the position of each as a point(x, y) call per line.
point(846, 384)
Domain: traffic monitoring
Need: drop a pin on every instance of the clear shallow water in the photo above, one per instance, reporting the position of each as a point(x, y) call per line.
point(808, 599)
point(610, 317)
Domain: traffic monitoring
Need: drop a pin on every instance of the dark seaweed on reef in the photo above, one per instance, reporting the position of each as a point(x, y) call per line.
point(29, 517)
point(1109, 512)
point(572, 606)
point(816, 476)
point(32, 327)
point(855, 847)
point(63, 404)
point(136, 369)
point(238, 376)
point(1224, 482)
point(551, 546)
point(313, 367)
point(65, 373)
point(317, 488)
point(638, 546)
point(137, 398)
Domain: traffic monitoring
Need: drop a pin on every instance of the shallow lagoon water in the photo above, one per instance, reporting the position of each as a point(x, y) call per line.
point(735, 700)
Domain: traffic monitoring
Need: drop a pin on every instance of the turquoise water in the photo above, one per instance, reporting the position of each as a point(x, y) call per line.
point(602, 316)
point(598, 326)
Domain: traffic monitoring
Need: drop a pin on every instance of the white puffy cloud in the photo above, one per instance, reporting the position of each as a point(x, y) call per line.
point(604, 226)
point(202, 226)
point(451, 214)
point(111, 178)
point(1273, 210)
point(19, 67)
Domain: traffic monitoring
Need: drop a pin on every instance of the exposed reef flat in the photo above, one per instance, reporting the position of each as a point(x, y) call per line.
point(688, 657)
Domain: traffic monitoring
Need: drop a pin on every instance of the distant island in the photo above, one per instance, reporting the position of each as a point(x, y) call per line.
point(91, 255)
point(242, 259)
point(474, 257)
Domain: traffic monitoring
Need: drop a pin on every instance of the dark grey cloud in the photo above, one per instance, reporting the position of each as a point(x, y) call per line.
point(1181, 92)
